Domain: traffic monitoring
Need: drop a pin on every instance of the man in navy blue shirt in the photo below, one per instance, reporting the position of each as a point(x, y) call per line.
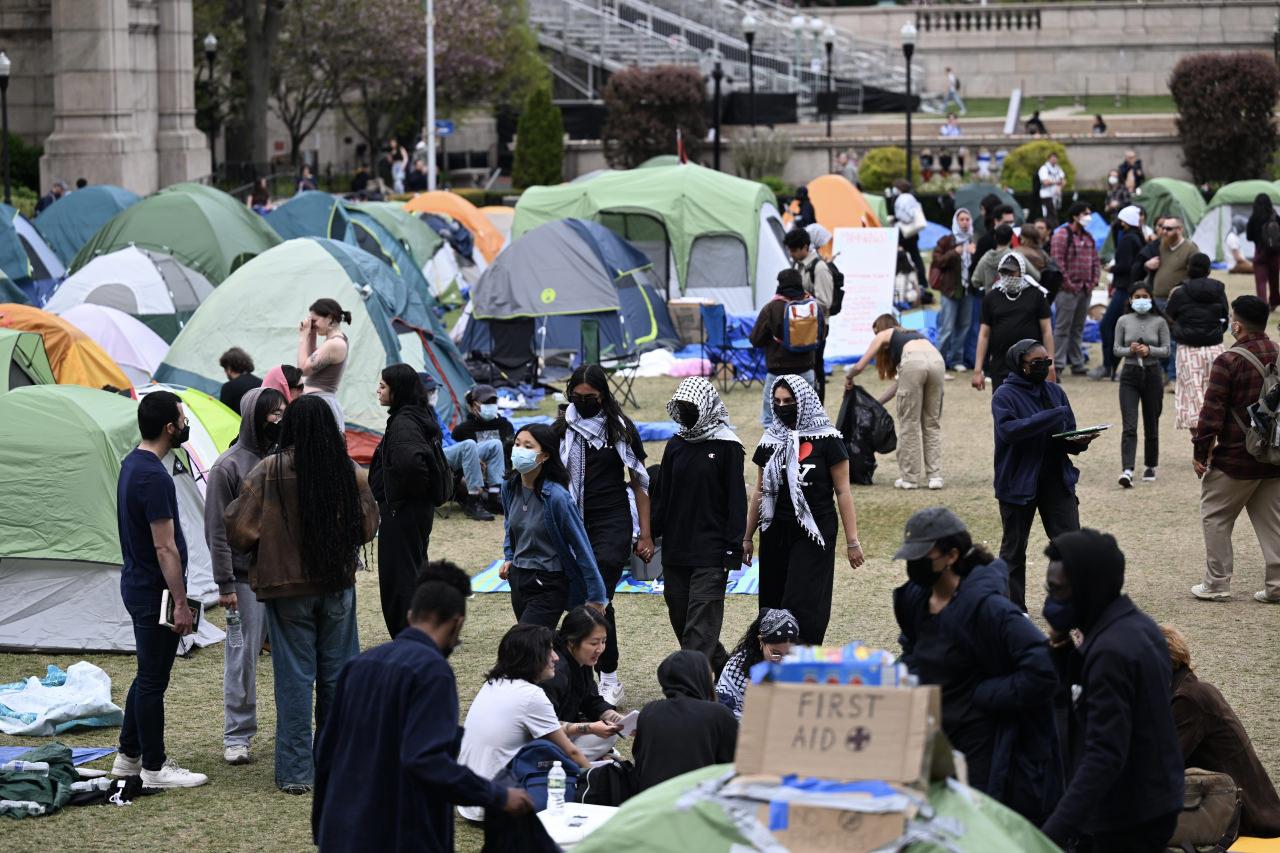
point(155, 560)
point(387, 775)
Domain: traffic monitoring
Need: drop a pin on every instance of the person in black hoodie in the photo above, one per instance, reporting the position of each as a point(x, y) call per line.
point(699, 508)
point(587, 719)
point(961, 631)
point(1127, 233)
point(686, 731)
point(400, 479)
point(1125, 791)
point(1197, 312)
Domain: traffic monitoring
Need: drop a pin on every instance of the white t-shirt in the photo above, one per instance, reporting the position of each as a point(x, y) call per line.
point(1051, 178)
point(505, 716)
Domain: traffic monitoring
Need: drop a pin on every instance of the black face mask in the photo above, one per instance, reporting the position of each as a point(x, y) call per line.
point(588, 408)
point(920, 572)
point(270, 434)
point(787, 415)
point(686, 413)
point(1037, 373)
point(182, 435)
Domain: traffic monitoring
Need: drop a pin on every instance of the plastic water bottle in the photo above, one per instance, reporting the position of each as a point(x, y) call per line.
point(99, 784)
point(555, 789)
point(235, 634)
point(31, 808)
point(15, 766)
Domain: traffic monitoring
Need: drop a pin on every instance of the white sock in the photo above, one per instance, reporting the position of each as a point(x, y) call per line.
point(608, 678)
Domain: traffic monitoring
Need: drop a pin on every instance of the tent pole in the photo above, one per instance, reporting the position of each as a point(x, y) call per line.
point(431, 96)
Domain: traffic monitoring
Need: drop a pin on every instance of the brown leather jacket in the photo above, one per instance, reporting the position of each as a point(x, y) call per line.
point(256, 524)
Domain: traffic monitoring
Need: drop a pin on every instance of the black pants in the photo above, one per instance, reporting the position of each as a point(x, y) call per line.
point(1143, 385)
point(798, 575)
point(610, 537)
point(538, 598)
point(403, 537)
point(1148, 837)
point(695, 605)
point(820, 369)
point(1059, 513)
point(142, 732)
point(912, 247)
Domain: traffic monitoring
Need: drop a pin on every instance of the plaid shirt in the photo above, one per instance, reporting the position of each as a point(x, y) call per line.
point(1077, 256)
point(1234, 385)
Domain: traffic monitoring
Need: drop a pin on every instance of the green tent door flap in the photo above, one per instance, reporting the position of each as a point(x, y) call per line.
point(25, 360)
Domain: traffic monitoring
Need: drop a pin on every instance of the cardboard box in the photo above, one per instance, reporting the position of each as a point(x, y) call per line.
point(843, 732)
point(686, 316)
point(813, 829)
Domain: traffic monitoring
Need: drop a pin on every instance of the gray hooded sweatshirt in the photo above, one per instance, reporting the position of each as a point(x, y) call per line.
point(225, 477)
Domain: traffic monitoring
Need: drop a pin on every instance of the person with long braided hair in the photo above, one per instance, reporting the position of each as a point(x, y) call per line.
point(303, 513)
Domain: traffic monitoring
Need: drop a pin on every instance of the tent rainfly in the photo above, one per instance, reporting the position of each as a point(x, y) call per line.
point(133, 346)
point(24, 360)
point(73, 355)
point(1226, 212)
point(70, 222)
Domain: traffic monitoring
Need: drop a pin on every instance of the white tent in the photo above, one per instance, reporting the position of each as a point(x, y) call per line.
point(133, 346)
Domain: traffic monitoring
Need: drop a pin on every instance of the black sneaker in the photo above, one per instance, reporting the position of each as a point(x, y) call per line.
point(1078, 370)
point(1149, 475)
point(493, 502)
point(1099, 374)
point(473, 508)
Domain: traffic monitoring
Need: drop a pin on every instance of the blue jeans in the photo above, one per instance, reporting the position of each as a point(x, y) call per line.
point(766, 411)
point(1115, 308)
point(971, 337)
point(467, 456)
point(953, 328)
point(953, 97)
point(312, 636)
point(142, 732)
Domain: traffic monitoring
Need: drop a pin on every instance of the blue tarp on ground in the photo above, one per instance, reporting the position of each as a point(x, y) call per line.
point(79, 754)
point(931, 234)
point(742, 581)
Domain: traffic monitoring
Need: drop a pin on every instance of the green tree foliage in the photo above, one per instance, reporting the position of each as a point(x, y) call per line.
point(1226, 106)
point(539, 142)
point(880, 167)
point(645, 107)
point(24, 165)
point(1025, 160)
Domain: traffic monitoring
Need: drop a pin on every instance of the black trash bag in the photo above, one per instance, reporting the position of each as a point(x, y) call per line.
point(867, 429)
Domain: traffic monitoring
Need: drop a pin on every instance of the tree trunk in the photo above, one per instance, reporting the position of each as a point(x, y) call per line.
point(262, 21)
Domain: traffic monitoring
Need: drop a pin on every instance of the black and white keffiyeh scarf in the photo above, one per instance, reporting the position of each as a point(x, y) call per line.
point(594, 433)
point(1013, 285)
point(811, 423)
point(713, 417)
point(776, 626)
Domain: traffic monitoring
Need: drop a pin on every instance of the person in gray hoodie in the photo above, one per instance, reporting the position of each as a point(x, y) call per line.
point(1141, 340)
point(261, 411)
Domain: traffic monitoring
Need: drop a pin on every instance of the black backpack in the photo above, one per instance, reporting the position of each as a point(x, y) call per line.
point(1270, 237)
point(837, 285)
point(441, 474)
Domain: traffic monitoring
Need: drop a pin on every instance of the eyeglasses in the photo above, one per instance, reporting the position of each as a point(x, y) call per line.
point(1171, 228)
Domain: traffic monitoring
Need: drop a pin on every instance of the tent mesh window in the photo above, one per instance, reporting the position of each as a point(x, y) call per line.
point(38, 270)
point(776, 227)
point(646, 233)
point(717, 260)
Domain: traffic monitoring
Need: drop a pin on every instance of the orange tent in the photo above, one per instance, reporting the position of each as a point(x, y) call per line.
point(838, 204)
point(488, 239)
point(73, 355)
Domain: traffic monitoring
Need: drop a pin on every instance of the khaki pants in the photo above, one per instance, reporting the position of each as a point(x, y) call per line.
point(1221, 500)
point(921, 375)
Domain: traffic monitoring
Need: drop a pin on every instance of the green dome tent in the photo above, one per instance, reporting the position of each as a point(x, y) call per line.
point(421, 241)
point(204, 228)
point(707, 234)
point(59, 540)
point(1164, 197)
point(259, 306)
point(24, 360)
point(1230, 202)
point(76, 217)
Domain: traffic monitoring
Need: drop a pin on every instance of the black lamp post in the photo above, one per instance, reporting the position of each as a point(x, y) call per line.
point(908, 48)
point(829, 41)
point(749, 24)
point(5, 67)
point(717, 74)
point(210, 54)
point(1275, 39)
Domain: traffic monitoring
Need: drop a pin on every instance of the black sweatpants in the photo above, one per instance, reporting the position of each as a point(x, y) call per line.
point(695, 605)
point(798, 575)
point(1151, 836)
point(820, 368)
point(610, 537)
point(538, 598)
point(1059, 513)
point(403, 537)
point(1141, 386)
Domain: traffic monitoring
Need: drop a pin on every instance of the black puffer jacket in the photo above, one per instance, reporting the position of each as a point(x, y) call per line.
point(401, 468)
point(1198, 312)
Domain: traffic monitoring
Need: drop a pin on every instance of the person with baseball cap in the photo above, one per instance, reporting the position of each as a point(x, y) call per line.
point(494, 436)
point(961, 632)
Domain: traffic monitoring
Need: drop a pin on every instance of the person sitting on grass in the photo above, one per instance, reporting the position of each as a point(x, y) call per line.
point(686, 731)
point(769, 638)
point(589, 721)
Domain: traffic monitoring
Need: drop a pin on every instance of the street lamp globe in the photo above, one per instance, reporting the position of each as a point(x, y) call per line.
point(799, 23)
point(749, 25)
point(210, 43)
point(815, 26)
point(5, 65)
point(829, 36)
point(908, 38)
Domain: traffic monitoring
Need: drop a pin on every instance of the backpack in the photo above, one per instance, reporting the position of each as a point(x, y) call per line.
point(1262, 433)
point(611, 783)
point(441, 475)
point(837, 285)
point(801, 325)
point(1269, 240)
point(529, 767)
point(1210, 818)
point(1051, 278)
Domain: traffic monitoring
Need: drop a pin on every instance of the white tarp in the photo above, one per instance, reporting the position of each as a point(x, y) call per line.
point(40, 710)
point(868, 258)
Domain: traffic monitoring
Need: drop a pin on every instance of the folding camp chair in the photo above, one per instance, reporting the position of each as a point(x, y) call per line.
point(620, 370)
point(744, 358)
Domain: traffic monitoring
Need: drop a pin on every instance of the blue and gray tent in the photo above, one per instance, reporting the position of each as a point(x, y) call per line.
point(72, 220)
point(26, 260)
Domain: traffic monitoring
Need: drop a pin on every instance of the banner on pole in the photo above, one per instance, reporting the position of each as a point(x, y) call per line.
point(868, 257)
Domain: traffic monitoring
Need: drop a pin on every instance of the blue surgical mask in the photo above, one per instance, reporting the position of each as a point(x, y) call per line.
point(1141, 305)
point(1061, 615)
point(524, 459)
point(488, 411)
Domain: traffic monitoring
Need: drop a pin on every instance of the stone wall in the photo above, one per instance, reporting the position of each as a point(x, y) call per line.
point(1064, 48)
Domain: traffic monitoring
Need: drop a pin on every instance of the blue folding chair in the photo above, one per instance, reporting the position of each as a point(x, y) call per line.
point(744, 358)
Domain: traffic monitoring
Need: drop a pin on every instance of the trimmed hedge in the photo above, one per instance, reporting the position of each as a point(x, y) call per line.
point(880, 167)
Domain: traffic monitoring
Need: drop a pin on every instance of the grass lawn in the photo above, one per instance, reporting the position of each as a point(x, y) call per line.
point(1233, 643)
point(1105, 104)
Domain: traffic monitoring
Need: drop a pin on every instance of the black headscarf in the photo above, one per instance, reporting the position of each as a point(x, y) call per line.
point(1013, 358)
point(1094, 564)
point(686, 673)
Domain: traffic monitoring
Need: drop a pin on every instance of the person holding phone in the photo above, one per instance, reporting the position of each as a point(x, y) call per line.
point(1141, 340)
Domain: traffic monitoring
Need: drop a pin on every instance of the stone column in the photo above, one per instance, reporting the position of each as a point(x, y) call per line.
point(182, 148)
point(99, 95)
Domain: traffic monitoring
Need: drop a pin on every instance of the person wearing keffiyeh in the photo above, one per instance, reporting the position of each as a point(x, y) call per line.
point(604, 455)
point(699, 508)
point(804, 473)
point(769, 637)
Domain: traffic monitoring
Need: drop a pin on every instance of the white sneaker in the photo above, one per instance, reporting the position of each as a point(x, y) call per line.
point(948, 377)
point(1261, 596)
point(170, 775)
point(1126, 479)
point(1203, 593)
point(903, 484)
point(237, 754)
point(959, 368)
point(126, 766)
point(613, 693)
point(935, 483)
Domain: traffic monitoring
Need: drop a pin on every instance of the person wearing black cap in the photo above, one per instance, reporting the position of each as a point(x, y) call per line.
point(1033, 472)
point(961, 632)
point(493, 435)
point(1125, 790)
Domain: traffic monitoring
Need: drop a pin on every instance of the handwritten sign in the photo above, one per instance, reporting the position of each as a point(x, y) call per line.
point(868, 257)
